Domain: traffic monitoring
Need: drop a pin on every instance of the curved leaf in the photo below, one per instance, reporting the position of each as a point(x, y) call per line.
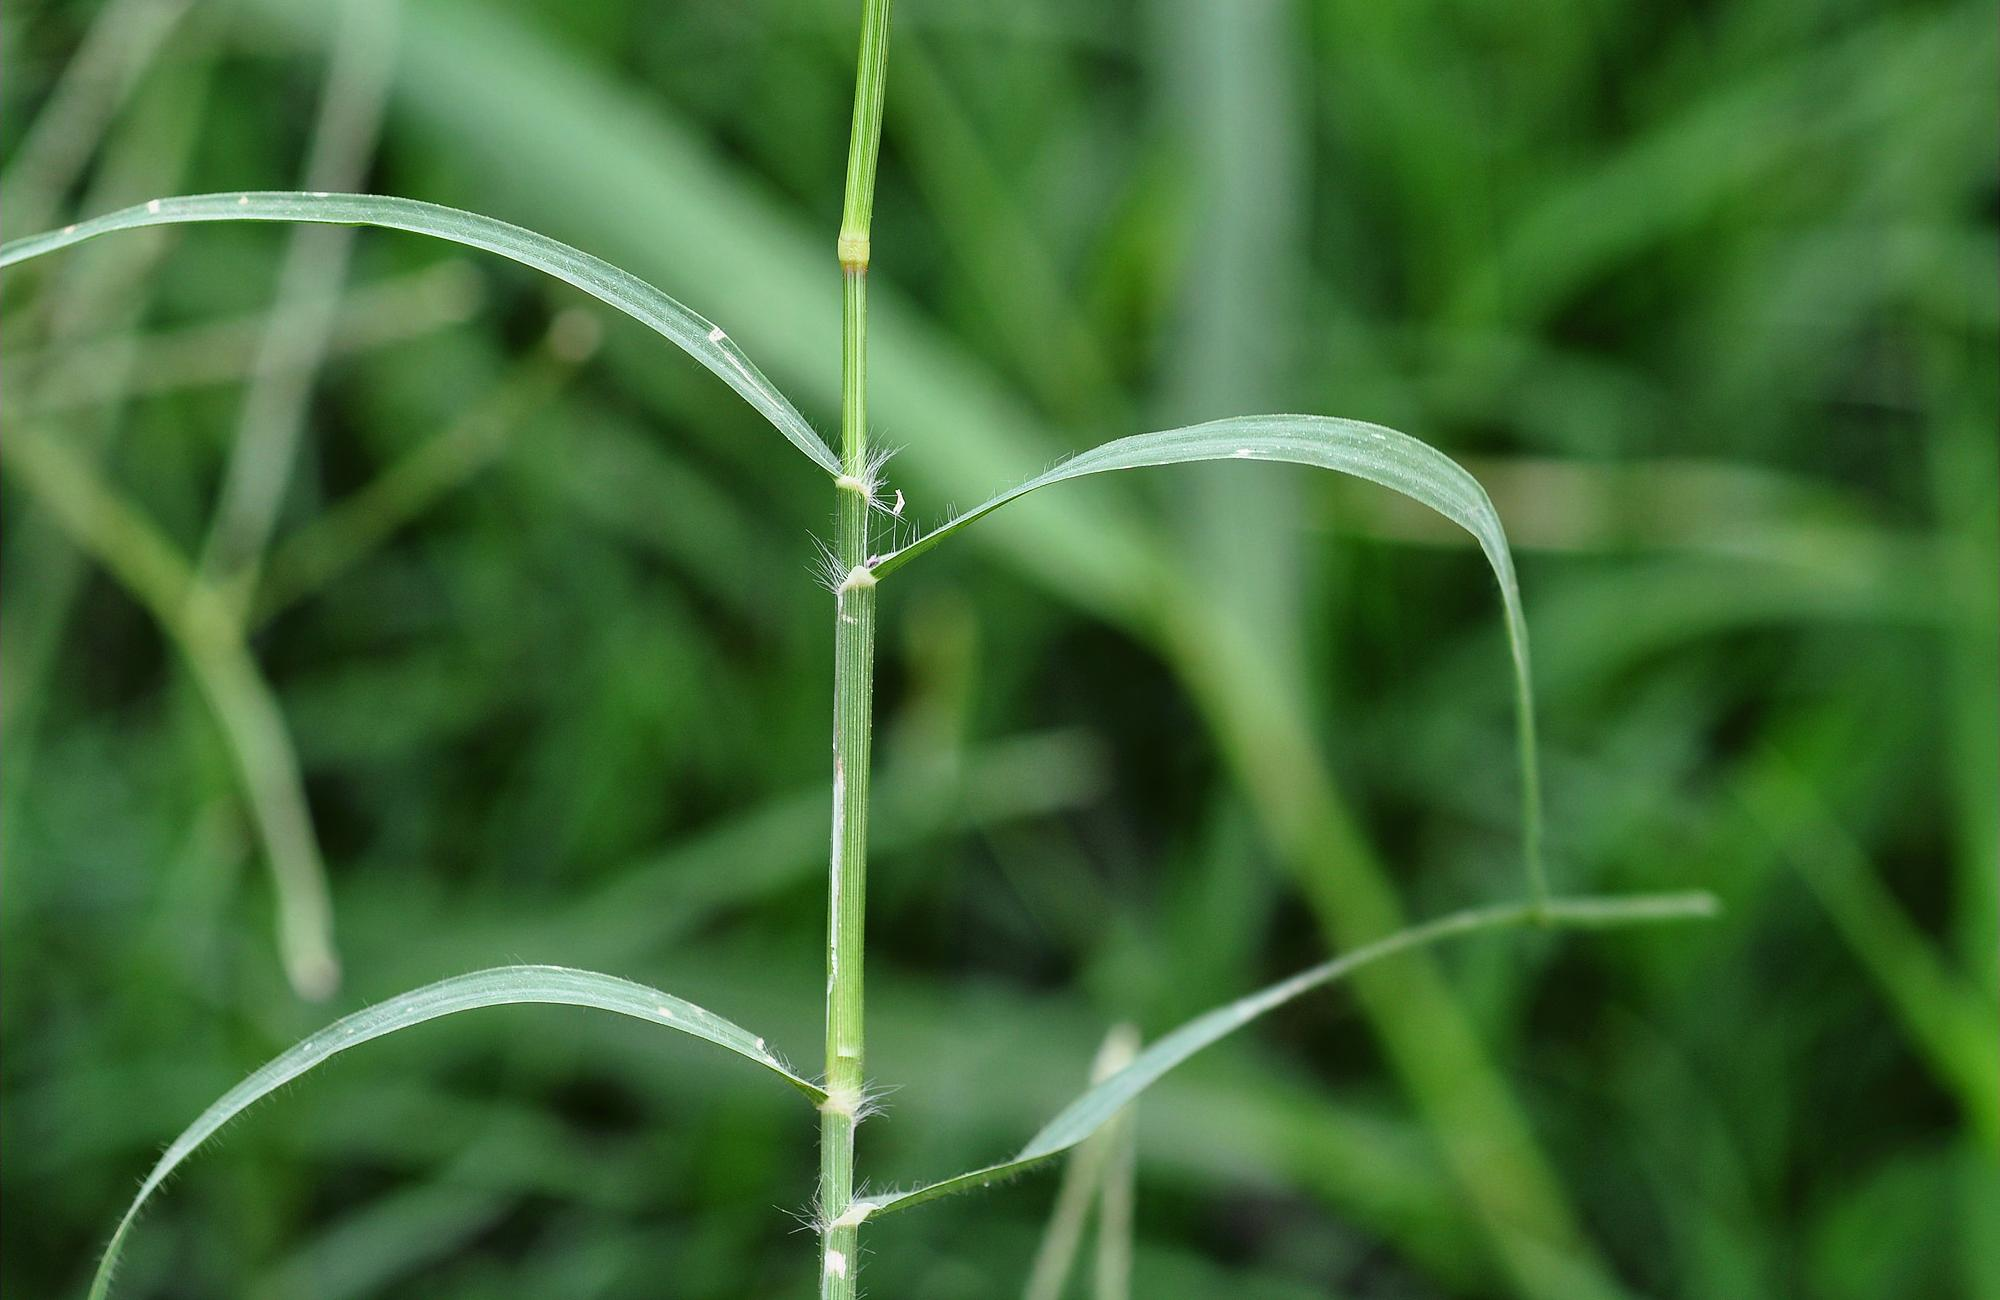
point(1395, 460)
point(698, 337)
point(1097, 1105)
point(501, 986)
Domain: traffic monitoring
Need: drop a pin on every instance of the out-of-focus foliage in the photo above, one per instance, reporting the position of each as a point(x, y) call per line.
point(1705, 294)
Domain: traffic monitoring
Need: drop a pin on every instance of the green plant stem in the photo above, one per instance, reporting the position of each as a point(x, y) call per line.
point(854, 685)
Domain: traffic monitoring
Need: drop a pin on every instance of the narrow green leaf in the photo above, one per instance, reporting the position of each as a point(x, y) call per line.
point(1096, 1106)
point(1368, 451)
point(698, 337)
point(501, 986)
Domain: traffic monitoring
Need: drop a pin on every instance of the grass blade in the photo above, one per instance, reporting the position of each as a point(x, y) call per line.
point(501, 986)
point(693, 334)
point(1099, 1104)
point(1367, 451)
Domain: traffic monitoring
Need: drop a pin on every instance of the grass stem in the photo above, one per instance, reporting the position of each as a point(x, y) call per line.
point(854, 686)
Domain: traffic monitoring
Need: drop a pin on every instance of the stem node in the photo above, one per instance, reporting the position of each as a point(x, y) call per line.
point(852, 248)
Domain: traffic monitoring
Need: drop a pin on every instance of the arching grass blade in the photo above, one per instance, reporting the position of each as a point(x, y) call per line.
point(501, 986)
point(1368, 451)
point(699, 338)
point(1096, 1106)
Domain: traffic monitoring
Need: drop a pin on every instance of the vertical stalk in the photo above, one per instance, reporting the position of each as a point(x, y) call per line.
point(854, 687)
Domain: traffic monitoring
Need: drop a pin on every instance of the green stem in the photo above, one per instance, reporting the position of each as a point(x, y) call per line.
point(854, 686)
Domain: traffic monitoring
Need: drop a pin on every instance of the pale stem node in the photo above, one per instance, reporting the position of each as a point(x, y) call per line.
point(852, 247)
point(844, 1101)
point(865, 485)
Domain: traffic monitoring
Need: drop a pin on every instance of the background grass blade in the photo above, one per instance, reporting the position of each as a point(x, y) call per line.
point(1092, 1110)
point(1368, 451)
point(1083, 1183)
point(272, 421)
point(245, 708)
point(91, 296)
point(124, 39)
point(348, 531)
point(223, 350)
point(698, 337)
point(501, 986)
point(1117, 1206)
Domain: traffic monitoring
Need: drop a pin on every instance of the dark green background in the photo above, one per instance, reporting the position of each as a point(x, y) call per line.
point(1705, 293)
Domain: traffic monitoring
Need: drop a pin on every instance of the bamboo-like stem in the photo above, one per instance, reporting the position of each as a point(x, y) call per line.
point(854, 687)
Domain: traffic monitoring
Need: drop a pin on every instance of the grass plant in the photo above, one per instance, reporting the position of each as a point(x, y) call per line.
point(209, 608)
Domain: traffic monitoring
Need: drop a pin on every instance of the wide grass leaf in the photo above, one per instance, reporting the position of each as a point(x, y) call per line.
point(1097, 1105)
point(501, 986)
point(1368, 451)
point(699, 338)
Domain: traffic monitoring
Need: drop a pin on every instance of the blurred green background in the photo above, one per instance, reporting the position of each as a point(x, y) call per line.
point(1705, 293)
